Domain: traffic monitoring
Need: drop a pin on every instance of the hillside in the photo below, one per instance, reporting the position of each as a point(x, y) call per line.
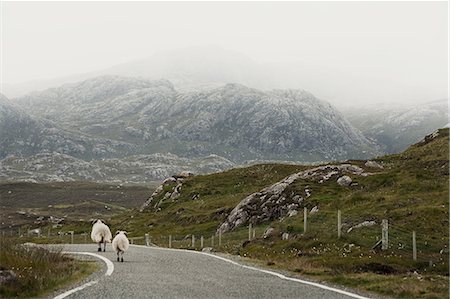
point(395, 128)
point(410, 190)
point(23, 134)
point(138, 169)
point(233, 121)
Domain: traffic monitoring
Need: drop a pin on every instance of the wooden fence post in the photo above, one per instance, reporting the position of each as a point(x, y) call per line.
point(249, 231)
point(414, 246)
point(201, 242)
point(170, 241)
point(220, 238)
point(193, 241)
point(254, 233)
point(384, 234)
point(147, 239)
point(212, 241)
point(339, 226)
point(305, 219)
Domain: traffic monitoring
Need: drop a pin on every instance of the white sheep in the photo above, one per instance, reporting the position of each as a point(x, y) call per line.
point(101, 234)
point(120, 244)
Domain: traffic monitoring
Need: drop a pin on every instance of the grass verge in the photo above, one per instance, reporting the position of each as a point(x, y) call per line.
point(29, 271)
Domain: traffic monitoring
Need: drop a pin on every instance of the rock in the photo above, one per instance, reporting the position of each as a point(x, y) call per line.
point(362, 224)
point(315, 209)
point(7, 276)
point(285, 236)
point(169, 180)
point(185, 174)
point(208, 249)
point(291, 213)
point(344, 181)
point(373, 164)
point(272, 202)
point(268, 233)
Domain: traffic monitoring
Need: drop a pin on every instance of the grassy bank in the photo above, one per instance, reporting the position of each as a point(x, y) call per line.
point(37, 271)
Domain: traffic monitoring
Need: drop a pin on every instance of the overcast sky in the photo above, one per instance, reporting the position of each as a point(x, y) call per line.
point(398, 49)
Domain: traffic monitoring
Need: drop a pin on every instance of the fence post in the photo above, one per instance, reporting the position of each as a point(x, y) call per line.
point(220, 238)
point(201, 242)
point(305, 219)
point(384, 234)
point(147, 239)
point(254, 233)
point(249, 231)
point(339, 226)
point(170, 241)
point(414, 246)
point(193, 241)
point(212, 241)
point(71, 236)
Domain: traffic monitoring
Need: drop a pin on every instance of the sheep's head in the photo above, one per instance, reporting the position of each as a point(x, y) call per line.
point(97, 221)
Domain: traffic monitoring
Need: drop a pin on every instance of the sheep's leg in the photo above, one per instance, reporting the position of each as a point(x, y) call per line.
point(104, 246)
point(99, 246)
point(121, 259)
point(118, 254)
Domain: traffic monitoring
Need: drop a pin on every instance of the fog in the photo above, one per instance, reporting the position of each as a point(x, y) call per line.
point(349, 53)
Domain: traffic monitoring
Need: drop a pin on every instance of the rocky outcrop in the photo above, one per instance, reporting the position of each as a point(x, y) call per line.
point(175, 183)
point(273, 203)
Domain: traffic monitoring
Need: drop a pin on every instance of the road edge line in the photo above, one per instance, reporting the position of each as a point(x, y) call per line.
point(109, 271)
point(279, 275)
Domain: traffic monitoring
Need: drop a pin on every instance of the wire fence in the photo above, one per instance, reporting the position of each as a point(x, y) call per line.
point(383, 236)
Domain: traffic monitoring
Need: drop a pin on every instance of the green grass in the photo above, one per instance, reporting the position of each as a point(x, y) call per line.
point(38, 270)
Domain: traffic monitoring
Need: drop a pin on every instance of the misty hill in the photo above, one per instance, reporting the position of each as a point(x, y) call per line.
point(23, 134)
point(233, 121)
point(189, 68)
point(397, 127)
point(141, 169)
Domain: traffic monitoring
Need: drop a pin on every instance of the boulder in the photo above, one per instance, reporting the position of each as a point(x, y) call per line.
point(291, 213)
point(373, 164)
point(207, 249)
point(344, 181)
point(269, 232)
point(7, 276)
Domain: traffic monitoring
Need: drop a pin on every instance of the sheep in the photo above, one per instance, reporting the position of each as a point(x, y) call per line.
point(120, 244)
point(100, 234)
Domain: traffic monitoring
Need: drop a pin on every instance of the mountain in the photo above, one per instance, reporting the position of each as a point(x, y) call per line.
point(233, 121)
point(189, 69)
point(23, 134)
point(396, 127)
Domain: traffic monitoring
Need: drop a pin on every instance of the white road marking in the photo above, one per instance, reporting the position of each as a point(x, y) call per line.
point(69, 292)
point(281, 276)
point(109, 271)
point(109, 264)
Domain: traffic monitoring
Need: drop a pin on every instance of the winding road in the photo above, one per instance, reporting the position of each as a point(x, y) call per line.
point(154, 272)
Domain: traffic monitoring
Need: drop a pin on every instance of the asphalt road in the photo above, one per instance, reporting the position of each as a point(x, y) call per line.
point(152, 272)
